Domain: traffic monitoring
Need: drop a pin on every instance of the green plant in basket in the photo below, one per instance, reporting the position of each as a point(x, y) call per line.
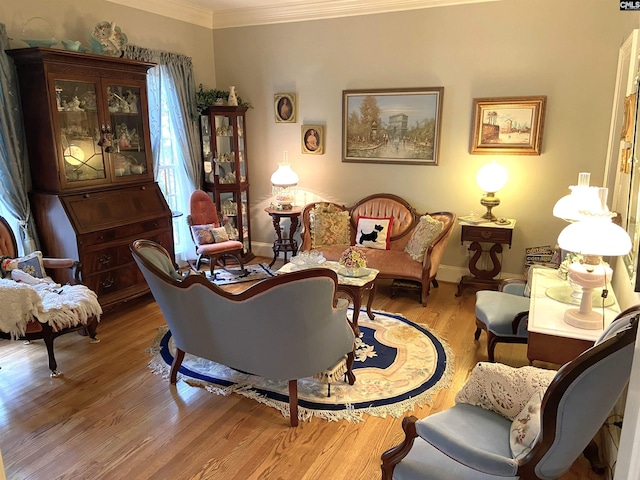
point(353, 257)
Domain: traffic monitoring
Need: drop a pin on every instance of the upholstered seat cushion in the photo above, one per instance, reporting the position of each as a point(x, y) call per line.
point(213, 248)
point(391, 263)
point(498, 309)
point(454, 430)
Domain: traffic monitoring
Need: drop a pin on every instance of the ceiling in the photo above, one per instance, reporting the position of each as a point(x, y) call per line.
point(216, 14)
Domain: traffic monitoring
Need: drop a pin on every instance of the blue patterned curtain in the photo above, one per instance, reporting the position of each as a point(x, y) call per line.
point(14, 164)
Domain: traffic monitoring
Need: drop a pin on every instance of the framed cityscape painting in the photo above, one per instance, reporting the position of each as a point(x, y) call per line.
point(400, 126)
point(509, 126)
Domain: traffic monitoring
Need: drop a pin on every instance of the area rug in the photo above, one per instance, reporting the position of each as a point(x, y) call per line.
point(257, 271)
point(399, 365)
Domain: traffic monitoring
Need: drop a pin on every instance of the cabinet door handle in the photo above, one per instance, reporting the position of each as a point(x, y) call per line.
point(105, 259)
point(107, 283)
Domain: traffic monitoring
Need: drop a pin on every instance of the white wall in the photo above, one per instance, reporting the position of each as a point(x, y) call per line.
point(73, 20)
point(566, 50)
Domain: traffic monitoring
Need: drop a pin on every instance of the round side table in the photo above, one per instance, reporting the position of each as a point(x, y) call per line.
point(284, 244)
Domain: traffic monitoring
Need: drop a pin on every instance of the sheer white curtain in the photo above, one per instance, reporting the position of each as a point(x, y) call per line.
point(174, 135)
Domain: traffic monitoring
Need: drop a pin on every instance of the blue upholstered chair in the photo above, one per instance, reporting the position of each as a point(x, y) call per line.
point(469, 442)
point(502, 314)
point(284, 328)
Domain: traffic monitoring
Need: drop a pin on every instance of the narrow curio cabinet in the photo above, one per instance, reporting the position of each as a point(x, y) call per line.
point(226, 172)
point(93, 191)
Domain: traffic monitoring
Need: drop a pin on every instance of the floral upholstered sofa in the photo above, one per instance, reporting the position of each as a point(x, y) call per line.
point(398, 241)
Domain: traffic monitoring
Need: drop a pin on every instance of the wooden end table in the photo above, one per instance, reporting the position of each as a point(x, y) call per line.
point(353, 287)
point(287, 244)
point(496, 233)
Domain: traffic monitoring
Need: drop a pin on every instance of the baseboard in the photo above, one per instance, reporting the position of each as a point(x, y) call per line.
point(446, 273)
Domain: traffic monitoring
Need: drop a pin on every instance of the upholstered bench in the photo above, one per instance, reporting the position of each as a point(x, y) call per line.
point(397, 240)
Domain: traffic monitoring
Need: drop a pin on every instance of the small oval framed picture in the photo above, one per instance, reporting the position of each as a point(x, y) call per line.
point(313, 139)
point(285, 107)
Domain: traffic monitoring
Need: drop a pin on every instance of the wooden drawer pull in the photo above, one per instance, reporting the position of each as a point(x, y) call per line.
point(485, 234)
point(107, 283)
point(105, 259)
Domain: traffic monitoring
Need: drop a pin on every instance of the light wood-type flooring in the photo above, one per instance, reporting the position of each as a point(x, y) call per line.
point(109, 417)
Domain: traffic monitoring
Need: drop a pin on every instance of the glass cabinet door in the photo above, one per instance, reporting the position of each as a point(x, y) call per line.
point(79, 131)
point(234, 206)
point(225, 153)
point(126, 124)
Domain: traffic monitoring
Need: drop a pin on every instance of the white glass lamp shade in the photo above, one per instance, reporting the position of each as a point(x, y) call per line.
point(284, 176)
point(597, 236)
point(491, 177)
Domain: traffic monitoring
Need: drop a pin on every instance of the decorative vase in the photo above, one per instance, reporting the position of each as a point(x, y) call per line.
point(233, 99)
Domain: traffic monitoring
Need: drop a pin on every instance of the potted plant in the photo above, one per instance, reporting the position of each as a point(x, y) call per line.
point(207, 98)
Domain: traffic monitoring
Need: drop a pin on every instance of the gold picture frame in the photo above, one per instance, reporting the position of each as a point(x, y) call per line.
point(508, 125)
point(312, 139)
point(285, 107)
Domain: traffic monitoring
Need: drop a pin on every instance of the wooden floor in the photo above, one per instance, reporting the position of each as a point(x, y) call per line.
point(109, 417)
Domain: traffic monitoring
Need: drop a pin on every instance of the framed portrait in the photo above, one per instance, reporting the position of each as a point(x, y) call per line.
point(285, 107)
point(313, 139)
point(509, 125)
point(400, 126)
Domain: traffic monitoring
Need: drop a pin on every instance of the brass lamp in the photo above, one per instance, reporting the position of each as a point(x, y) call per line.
point(491, 178)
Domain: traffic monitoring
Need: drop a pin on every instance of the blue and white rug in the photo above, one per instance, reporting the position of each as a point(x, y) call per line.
point(399, 365)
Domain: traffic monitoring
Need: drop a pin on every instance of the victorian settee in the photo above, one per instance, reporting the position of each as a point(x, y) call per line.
point(408, 246)
point(286, 327)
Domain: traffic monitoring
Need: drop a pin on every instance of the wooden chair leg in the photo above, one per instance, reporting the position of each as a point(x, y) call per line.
point(48, 337)
point(492, 340)
point(175, 366)
point(293, 402)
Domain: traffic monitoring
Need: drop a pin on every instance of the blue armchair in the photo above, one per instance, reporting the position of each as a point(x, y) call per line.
point(502, 314)
point(467, 441)
point(284, 328)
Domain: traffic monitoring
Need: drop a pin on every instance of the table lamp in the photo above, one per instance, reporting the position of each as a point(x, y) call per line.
point(284, 183)
point(593, 236)
point(491, 178)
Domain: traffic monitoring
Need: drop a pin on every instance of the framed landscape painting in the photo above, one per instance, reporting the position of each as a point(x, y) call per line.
point(400, 126)
point(510, 126)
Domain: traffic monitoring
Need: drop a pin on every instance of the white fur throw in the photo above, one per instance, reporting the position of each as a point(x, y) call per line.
point(60, 307)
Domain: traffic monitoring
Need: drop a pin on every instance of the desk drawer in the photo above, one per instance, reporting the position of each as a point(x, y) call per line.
point(478, 233)
point(137, 230)
point(112, 257)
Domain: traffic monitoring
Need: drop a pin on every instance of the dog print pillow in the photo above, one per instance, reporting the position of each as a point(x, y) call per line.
point(373, 232)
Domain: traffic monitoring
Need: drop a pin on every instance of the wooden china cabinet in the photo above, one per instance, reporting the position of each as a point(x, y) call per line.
point(226, 174)
point(93, 191)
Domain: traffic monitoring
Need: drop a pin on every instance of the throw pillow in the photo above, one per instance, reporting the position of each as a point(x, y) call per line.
point(503, 389)
point(374, 232)
point(202, 234)
point(423, 236)
point(526, 427)
point(329, 227)
point(220, 234)
point(31, 264)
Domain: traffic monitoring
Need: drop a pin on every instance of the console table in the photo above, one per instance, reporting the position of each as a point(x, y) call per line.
point(551, 339)
point(496, 233)
point(287, 244)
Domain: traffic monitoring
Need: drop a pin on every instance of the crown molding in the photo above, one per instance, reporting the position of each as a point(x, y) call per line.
point(300, 11)
point(177, 9)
